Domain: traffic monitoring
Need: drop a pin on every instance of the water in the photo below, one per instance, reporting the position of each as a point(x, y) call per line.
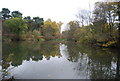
point(56, 60)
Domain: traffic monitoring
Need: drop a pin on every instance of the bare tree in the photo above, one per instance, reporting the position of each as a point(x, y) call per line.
point(84, 17)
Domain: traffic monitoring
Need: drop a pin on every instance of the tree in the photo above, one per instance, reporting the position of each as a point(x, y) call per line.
point(5, 13)
point(105, 12)
point(16, 25)
point(51, 28)
point(37, 23)
point(73, 25)
point(100, 15)
point(29, 22)
point(110, 14)
point(59, 25)
point(16, 14)
point(84, 17)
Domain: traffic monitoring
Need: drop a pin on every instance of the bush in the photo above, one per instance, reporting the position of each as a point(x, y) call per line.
point(36, 35)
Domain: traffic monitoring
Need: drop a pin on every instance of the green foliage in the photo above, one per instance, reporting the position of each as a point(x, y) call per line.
point(5, 13)
point(36, 35)
point(37, 24)
point(51, 28)
point(38, 20)
point(73, 25)
point(28, 50)
point(17, 14)
point(29, 23)
point(103, 29)
point(16, 25)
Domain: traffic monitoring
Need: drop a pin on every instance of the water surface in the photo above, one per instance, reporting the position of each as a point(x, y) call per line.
point(56, 60)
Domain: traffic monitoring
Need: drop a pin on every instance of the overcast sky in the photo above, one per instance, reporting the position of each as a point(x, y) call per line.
point(57, 10)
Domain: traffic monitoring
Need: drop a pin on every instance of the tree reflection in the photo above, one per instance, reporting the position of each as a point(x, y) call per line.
point(118, 65)
point(95, 62)
point(15, 53)
point(91, 62)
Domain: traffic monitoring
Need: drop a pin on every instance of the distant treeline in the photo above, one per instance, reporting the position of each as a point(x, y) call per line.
point(16, 27)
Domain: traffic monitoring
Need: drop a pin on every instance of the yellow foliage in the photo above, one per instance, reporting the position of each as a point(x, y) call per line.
point(52, 27)
point(109, 43)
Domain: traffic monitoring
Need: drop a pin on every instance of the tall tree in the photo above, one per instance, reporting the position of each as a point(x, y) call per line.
point(37, 21)
point(17, 14)
point(84, 17)
point(29, 22)
point(74, 25)
point(99, 21)
point(5, 13)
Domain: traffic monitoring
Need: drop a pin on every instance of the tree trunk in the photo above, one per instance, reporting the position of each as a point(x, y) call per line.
point(118, 66)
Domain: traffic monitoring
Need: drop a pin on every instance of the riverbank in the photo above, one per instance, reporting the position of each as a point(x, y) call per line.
point(26, 37)
point(29, 37)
